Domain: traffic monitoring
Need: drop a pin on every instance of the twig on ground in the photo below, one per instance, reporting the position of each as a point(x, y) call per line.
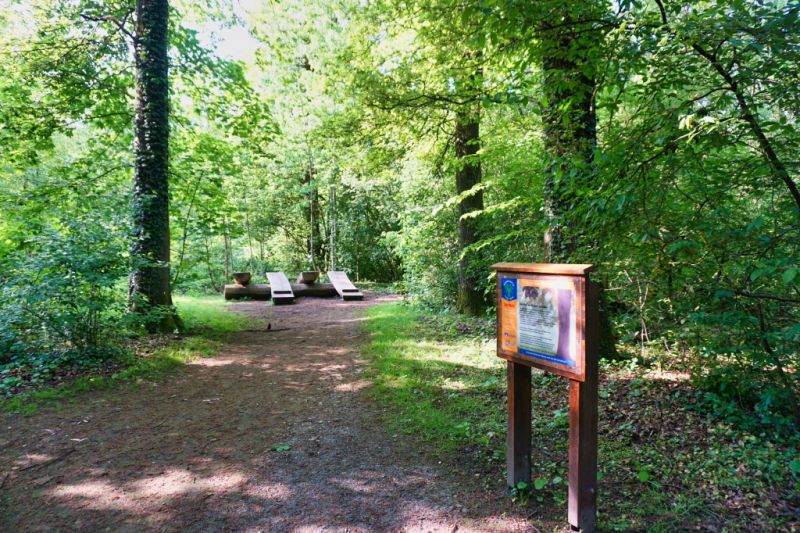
point(48, 462)
point(5, 478)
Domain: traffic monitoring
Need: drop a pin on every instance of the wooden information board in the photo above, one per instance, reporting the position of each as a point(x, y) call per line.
point(548, 318)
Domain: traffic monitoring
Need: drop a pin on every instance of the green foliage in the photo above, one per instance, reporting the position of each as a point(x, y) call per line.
point(61, 303)
point(331, 143)
point(521, 493)
point(207, 321)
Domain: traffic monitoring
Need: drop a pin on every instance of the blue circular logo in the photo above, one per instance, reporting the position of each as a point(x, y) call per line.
point(509, 290)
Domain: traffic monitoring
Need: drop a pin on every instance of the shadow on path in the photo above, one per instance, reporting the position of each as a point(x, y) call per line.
point(272, 434)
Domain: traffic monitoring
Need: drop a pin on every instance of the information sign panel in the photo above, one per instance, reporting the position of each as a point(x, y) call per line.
point(548, 317)
point(540, 320)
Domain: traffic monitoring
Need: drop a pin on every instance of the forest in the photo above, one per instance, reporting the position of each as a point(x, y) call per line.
point(149, 150)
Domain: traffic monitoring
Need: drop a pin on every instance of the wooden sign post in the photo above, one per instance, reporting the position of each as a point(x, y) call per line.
point(548, 318)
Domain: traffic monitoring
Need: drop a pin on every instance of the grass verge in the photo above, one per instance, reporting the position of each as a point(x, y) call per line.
point(207, 320)
point(663, 466)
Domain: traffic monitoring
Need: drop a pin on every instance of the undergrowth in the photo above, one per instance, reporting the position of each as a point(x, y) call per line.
point(207, 320)
point(665, 462)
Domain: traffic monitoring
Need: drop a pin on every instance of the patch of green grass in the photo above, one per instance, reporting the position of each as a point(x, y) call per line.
point(446, 389)
point(208, 315)
point(206, 319)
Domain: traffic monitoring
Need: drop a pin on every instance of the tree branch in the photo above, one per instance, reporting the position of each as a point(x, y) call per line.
point(120, 24)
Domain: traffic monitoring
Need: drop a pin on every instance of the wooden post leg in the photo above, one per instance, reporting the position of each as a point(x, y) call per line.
point(519, 424)
point(583, 455)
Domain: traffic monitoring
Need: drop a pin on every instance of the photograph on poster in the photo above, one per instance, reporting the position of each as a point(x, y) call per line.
point(539, 319)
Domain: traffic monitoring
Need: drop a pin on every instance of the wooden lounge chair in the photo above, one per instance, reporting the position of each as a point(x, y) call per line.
point(344, 286)
point(281, 288)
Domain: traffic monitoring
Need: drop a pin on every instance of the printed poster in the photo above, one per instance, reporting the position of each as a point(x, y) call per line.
point(539, 319)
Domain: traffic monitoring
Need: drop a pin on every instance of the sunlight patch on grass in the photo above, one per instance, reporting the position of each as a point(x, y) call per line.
point(449, 391)
point(211, 314)
point(430, 382)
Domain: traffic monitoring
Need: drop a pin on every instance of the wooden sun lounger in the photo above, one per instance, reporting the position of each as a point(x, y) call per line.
point(281, 288)
point(344, 286)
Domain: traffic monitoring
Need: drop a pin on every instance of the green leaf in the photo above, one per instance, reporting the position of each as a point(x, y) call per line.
point(281, 448)
point(643, 475)
point(557, 480)
point(795, 466)
point(789, 274)
point(539, 483)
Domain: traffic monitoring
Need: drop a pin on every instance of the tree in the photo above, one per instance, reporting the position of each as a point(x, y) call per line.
point(149, 288)
point(468, 179)
point(568, 41)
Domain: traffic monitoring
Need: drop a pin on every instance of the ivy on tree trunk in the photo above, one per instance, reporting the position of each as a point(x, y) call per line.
point(570, 136)
point(149, 289)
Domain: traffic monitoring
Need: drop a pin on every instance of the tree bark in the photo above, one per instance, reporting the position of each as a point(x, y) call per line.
point(149, 288)
point(315, 244)
point(468, 175)
point(226, 253)
point(570, 139)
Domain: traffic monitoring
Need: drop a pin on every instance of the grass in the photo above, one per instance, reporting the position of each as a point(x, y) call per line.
point(207, 320)
point(663, 466)
point(443, 387)
point(209, 316)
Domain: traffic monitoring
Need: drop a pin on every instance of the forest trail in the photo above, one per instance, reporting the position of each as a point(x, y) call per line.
point(275, 433)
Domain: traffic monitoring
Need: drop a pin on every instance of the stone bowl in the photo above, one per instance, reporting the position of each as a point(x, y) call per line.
point(242, 278)
point(309, 278)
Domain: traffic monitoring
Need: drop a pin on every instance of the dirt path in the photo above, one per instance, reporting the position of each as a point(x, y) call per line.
point(197, 451)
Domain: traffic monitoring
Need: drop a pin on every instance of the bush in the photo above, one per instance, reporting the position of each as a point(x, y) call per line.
point(60, 302)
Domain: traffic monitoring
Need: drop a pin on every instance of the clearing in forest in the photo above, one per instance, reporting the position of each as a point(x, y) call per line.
point(276, 433)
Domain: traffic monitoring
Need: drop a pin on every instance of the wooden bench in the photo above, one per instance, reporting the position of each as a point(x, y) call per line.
point(264, 292)
point(281, 288)
point(254, 290)
point(344, 286)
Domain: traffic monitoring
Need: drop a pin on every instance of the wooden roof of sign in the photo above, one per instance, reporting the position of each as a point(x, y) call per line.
point(545, 268)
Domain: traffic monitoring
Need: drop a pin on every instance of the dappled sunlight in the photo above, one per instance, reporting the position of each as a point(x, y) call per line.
point(97, 495)
point(217, 361)
point(366, 483)
point(276, 491)
point(354, 386)
point(270, 435)
point(177, 482)
point(32, 459)
point(151, 492)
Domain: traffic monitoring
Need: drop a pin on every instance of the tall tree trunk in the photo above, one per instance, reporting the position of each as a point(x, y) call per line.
point(227, 252)
point(214, 286)
point(468, 175)
point(570, 136)
point(315, 243)
point(333, 220)
point(149, 280)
